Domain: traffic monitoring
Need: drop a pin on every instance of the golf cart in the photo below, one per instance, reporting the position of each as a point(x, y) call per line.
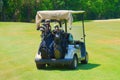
point(59, 48)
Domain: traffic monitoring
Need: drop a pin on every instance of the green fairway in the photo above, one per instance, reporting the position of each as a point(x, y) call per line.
point(19, 43)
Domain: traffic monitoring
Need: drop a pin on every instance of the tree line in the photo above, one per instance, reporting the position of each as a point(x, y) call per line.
point(25, 10)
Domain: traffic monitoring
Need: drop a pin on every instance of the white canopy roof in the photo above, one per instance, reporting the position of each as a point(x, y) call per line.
point(57, 15)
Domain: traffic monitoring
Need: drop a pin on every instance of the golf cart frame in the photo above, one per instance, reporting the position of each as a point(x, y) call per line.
point(76, 52)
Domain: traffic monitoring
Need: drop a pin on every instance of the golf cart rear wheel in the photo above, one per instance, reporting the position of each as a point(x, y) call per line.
point(85, 61)
point(74, 63)
point(40, 66)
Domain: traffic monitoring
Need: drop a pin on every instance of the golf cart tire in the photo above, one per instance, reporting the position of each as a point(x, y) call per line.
point(85, 61)
point(40, 66)
point(74, 63)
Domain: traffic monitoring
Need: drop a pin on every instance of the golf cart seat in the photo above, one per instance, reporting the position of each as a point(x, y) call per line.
point(69, 38)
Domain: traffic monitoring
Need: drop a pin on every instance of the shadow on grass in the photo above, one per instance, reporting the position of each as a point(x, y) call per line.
point(87, 66)
point(65, 68)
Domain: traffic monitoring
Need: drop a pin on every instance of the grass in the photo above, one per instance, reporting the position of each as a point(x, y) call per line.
point(19, 43)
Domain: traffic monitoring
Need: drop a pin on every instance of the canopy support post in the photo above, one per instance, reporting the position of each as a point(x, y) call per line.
point(83, 27)
point(65, 26)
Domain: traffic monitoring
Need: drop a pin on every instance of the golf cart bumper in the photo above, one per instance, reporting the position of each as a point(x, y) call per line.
point(53, 61)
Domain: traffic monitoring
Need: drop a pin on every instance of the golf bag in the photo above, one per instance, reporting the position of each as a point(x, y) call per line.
point(46, 47)
point(59, 45)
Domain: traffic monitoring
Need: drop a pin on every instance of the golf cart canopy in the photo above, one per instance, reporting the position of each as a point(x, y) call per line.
point(56, 15)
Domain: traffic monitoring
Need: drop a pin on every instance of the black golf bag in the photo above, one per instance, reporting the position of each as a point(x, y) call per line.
point(46, 47)
point(60, 45)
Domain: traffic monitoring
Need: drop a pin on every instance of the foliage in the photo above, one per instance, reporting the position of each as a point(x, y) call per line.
point(25, 10)
point(1, 4)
